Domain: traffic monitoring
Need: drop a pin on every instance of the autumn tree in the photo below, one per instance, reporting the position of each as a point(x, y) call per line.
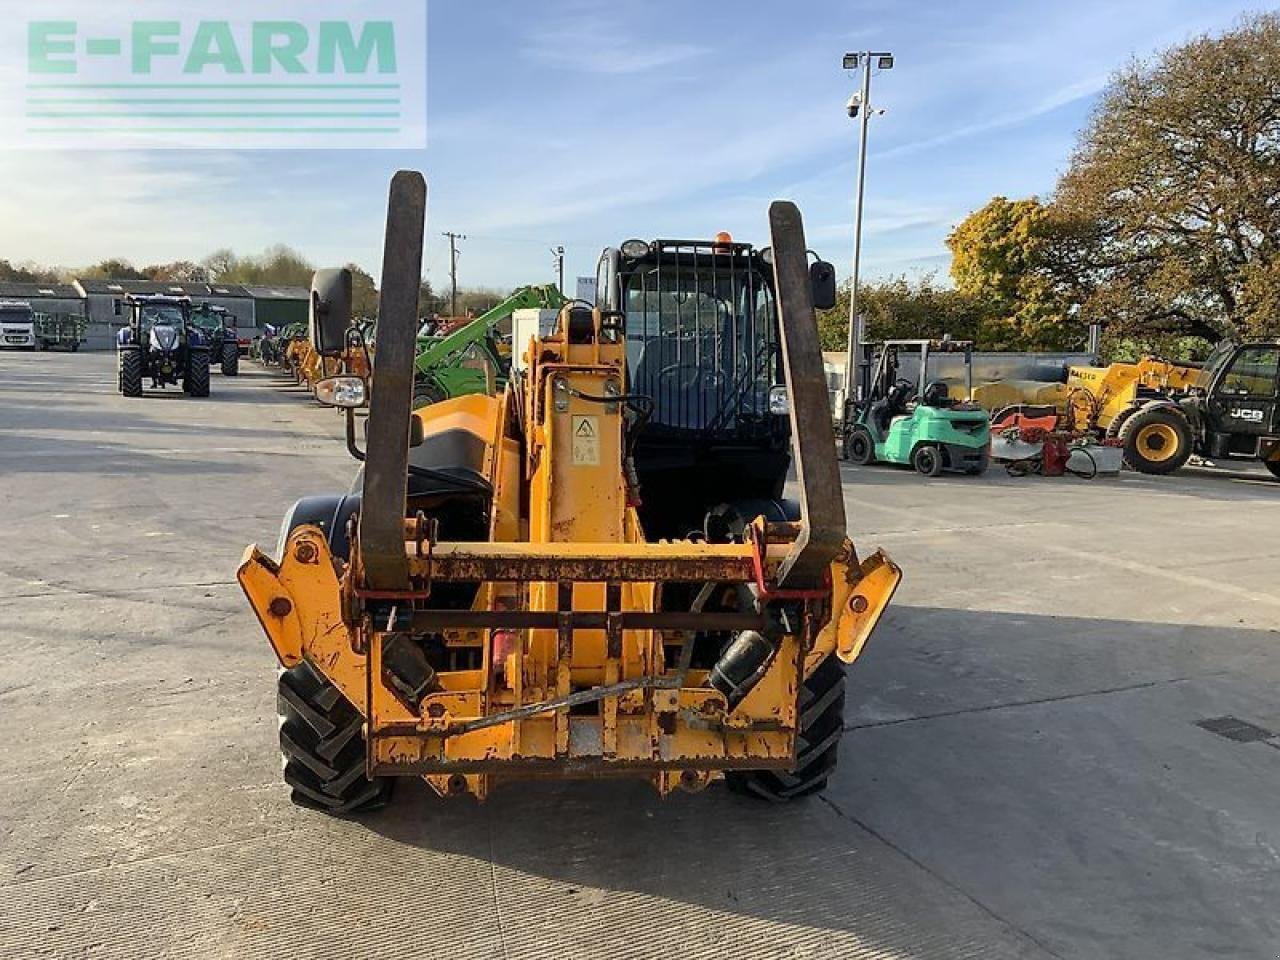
point(1169, 217)
point(180, 271)
point(999, 259)
point(220, 263)
point(114, 268)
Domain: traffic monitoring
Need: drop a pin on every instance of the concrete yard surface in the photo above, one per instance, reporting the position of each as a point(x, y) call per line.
point(1042, 757)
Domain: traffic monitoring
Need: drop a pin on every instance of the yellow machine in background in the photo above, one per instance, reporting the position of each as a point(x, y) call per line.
point(995, 394)
point(298, 356)
point(1134, 403)
point(496, 604)
point(334, 345)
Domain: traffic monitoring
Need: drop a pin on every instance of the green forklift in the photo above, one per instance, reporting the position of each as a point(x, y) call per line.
point(917, 422)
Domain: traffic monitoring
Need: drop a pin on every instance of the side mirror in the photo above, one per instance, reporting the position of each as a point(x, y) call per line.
point(330, 310)
point(822, 277)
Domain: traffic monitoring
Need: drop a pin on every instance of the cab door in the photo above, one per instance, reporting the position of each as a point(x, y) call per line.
point(1244, 400)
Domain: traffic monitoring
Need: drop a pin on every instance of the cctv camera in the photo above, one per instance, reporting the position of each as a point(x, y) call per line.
point(852, 106)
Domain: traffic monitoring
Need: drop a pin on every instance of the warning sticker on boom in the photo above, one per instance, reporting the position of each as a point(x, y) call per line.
point(586, 441)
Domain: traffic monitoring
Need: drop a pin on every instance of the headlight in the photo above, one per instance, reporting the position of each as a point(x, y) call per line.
point(635, 249)
point(346, 392)
point(779, 402)
point(767, 255)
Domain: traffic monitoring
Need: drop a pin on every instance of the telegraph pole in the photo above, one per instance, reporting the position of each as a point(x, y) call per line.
point(558, 253)
point(453, 270)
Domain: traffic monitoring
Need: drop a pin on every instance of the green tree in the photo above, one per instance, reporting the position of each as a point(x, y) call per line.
point(113, 269)
point(1169, 215)
point(27, 273)
point(364, 293)
point(277, 266)
point(998, 259)
point(428, 303)
point(900, 308)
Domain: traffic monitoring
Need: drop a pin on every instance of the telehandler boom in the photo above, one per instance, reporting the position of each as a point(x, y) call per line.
point(441, 368)
point(491, 605)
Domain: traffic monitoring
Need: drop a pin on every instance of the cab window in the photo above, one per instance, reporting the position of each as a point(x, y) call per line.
point(1253, 373)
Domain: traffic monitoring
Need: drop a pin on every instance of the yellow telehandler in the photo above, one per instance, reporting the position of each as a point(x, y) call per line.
point(516, 592)
point(1227, 408)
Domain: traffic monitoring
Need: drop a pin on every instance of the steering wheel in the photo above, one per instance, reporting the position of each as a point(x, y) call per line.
point(694, 375)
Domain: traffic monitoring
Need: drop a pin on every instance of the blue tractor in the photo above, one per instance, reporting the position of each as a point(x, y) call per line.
point(161, 343)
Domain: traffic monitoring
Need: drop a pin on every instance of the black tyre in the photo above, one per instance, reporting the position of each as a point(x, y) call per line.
point(44, 345)
point(1156, 441)
point(196, 382)
point(425, 394)
point(817, 742)
point(1273, 466)
point(75, 348)
point(230, 359)
point(322, 739)
point(859, 447)
point(131, 372)
point(927, 460)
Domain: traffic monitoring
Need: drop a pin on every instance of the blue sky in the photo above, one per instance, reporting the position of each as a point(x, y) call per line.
point(584, 123)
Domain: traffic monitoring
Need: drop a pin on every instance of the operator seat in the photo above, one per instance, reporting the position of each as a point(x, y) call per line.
point(937, 394)
point(893, 404)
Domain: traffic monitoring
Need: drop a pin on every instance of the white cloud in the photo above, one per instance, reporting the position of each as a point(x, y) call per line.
point(590, 43)
point(1072, 92)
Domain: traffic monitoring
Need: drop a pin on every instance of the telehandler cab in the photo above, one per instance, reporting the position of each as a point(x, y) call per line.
point(490, 603)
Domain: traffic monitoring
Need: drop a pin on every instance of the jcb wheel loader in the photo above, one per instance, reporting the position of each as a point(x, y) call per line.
point(491, 603)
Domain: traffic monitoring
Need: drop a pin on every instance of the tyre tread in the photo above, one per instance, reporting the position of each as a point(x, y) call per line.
point(322, 740)
point(818, 742)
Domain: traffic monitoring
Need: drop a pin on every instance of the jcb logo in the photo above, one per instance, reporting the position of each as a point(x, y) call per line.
point(1250, 416)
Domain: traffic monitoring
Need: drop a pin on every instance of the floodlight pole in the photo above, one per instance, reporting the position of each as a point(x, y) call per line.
point(851, 359)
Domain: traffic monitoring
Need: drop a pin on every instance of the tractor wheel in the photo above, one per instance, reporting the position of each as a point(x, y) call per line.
point(1156, 441)
point(1273, 466)
point(425, 394)
point(859, 447)
point(322, 739)
point(230, 359)
point(131, 372)
point(196, 382)
point(927, 460)
point(817, 742)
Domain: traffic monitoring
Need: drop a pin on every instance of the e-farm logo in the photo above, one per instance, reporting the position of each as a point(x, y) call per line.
point(255, 75)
